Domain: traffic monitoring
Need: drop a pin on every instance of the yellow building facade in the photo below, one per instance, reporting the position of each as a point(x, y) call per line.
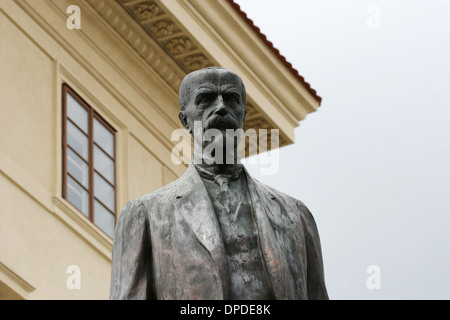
point(124, 61)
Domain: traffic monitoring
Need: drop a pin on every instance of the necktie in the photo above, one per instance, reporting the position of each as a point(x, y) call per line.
point(222, 178)
point(223, 196)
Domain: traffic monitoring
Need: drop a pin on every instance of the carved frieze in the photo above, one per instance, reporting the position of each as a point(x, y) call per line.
point(146, 10)
point(173, 39)
point(182, 48)
point(162, 28)
point(179, 45)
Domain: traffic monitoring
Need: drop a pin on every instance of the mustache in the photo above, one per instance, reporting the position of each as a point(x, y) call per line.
point(221, 121)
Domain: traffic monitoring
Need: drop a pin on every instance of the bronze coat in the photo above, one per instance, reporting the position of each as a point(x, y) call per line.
point(168, 245)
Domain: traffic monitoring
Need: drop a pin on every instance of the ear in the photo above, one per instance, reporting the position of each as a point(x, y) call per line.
point(183, 119)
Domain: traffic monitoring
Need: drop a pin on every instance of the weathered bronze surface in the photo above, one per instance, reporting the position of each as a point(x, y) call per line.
point(216, 233)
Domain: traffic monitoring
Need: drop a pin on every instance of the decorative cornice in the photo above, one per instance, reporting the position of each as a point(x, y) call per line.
point(157, 22)
point(150, 51)
point(166, 46)
point(18, 284)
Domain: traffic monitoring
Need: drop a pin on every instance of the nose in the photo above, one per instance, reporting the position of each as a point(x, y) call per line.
point(220, 110)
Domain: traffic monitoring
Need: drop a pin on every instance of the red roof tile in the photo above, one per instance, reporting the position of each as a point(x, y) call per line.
point(275, 50)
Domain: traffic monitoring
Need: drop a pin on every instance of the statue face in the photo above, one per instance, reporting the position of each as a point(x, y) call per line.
point(215, 97)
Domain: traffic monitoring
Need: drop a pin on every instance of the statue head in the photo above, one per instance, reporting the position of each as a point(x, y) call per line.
point(212, 102)
point(214, 96)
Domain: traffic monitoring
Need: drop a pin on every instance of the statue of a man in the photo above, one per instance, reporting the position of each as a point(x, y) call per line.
point(216, 233)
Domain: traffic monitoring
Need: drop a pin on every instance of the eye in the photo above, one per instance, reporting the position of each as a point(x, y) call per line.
point(232, 97)
point(205, 97)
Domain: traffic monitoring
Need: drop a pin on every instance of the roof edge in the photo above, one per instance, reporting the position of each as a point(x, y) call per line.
point(270, 45)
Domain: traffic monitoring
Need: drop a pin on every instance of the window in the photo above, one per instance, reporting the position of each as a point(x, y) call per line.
point(89, 166)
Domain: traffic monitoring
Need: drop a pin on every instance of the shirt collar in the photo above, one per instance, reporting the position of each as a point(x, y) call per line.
point(211, 171)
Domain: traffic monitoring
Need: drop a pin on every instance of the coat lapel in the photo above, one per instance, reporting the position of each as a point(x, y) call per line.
point(195, 206)
point(265, 206)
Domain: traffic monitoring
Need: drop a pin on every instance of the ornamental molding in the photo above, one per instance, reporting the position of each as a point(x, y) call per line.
point(149, 50)
point(15, 282)
point(156, 20)
point(166, 46)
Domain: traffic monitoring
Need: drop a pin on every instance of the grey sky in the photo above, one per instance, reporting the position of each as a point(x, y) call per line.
point(373, 164)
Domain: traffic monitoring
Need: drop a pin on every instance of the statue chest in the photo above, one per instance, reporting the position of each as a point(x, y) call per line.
point(248, 279)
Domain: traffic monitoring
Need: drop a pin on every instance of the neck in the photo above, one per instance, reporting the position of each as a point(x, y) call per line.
point(214, 171)
point(228, 163)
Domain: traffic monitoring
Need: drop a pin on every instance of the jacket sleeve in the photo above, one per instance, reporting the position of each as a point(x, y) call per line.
point(315, 271)
point(131, 255)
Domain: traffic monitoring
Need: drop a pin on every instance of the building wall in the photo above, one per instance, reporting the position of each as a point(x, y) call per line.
point(41, 234)
point(130, 78)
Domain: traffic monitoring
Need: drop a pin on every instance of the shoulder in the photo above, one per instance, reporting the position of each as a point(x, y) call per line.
point(163, 196)
point(279, 195)
point(293, 205)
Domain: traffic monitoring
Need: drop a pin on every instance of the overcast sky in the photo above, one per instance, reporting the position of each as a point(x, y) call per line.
point(373, 163)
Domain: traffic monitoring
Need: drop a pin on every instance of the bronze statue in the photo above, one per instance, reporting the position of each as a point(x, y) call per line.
point(216, 233)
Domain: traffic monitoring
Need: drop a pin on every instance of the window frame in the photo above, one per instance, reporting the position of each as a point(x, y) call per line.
point(92, 114)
